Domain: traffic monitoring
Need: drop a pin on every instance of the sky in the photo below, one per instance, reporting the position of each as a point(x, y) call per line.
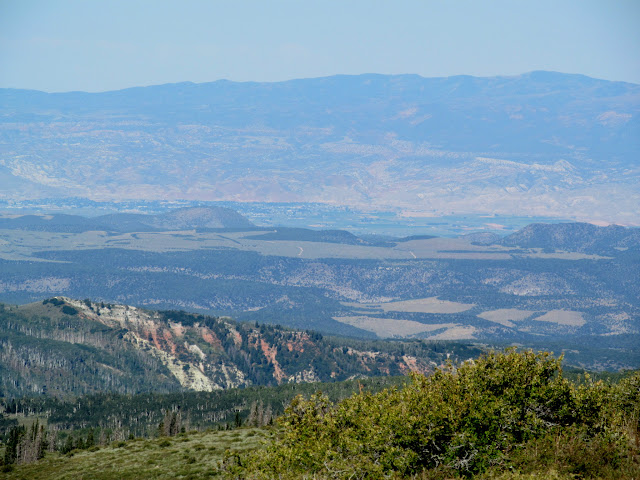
point(92, 45)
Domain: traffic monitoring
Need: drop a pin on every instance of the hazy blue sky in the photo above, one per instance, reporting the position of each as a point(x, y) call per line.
point(90, 45)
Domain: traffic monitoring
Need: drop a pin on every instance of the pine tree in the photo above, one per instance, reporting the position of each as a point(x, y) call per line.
point(11, 449)
point(252, 419)
point(68, 445)
point(103, 438)
point(90, 439)
point(173, 425)
point(32, 445)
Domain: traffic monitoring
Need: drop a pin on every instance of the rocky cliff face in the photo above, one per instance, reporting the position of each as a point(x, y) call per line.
point(116, 344)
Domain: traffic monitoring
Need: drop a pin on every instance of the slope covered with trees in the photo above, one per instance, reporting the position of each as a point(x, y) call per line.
point(69, 347)
point(113, 416)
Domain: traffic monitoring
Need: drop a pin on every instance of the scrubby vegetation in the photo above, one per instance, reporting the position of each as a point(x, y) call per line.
point(505, 413)
point(511, 415)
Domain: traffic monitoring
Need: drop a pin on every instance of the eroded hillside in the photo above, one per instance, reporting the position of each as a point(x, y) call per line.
point(64, 346)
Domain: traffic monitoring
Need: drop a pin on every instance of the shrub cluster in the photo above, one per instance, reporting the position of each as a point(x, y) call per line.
point(504, 412)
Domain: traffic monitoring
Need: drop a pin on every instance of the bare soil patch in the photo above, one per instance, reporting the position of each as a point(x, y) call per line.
point(505, 316)
point(563, 317)
point(426, 305)
point(390, 327)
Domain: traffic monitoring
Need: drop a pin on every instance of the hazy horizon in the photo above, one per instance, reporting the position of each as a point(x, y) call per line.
point(364, 74)
point(93, 46)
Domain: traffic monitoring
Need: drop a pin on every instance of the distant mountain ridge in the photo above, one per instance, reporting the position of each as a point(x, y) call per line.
point(574, 237)
point(542, 143)
point(177, 219)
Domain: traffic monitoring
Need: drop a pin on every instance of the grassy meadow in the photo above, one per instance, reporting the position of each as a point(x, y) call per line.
point(186, 456)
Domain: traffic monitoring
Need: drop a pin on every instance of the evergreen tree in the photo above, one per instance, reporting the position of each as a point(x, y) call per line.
point(90, 439)
point(11, 448)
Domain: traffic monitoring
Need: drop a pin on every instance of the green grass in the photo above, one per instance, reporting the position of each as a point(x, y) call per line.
point(190, 456)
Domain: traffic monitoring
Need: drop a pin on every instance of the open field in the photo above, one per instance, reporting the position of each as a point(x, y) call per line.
point(195, 455)
point(457, 332)
point(418, 305)
point(563, 317)
point(23, 244)
point(426, 305)
point(505, 316)
point(390, 327)
point(399, 328)
point(453, 248)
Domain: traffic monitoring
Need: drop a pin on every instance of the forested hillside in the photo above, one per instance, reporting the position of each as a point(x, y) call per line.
point(115, 417)
point(65, 347)
point(575, 237)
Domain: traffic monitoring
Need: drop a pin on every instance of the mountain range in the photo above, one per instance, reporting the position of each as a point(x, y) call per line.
point(177, 219)
point(541, 143)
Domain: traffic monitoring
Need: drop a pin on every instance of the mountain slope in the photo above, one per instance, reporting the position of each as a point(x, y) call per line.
point(574, 237)
point(63, 346)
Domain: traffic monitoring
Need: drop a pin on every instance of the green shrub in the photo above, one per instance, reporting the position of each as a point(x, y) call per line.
point(69, 310)
point(480, 416)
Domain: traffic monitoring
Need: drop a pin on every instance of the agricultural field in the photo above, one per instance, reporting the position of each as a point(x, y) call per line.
point(24, 244)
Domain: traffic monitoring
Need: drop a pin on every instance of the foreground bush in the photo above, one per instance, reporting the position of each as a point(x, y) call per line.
point(503, 412)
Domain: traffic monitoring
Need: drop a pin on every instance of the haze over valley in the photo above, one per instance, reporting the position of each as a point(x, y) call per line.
point(371, 206)
point(328, 240)
point(541, 144)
